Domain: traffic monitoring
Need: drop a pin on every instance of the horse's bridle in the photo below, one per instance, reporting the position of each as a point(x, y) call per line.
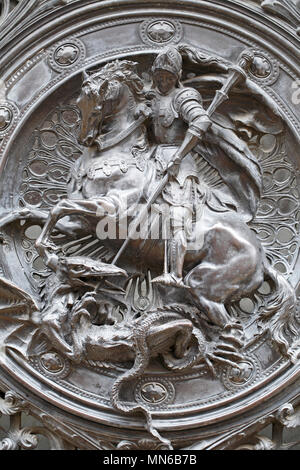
point(111, 139)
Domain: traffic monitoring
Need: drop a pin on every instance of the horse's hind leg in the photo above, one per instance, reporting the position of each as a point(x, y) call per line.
point(232, 267)
point(215, 312)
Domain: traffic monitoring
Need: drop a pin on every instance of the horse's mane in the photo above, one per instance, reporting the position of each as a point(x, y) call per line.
point(123, 71)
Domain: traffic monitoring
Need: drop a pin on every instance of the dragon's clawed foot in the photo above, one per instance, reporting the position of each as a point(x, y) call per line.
point(227, 350)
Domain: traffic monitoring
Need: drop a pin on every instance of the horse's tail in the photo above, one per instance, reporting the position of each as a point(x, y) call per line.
point(279, 311)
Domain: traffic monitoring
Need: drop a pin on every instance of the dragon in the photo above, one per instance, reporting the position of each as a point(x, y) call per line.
point(78, 319)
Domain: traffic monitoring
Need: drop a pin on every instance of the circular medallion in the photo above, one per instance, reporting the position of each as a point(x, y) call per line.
point(155, 393)
point(66, 54)
point(261, 67)
point(52, 362)
point(52, 365)
point(161, 32)
point(241, 374)
point(8, 112)
point(5, 117)
point(264, 68)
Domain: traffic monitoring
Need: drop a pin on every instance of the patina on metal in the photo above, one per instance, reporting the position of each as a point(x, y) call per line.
point(149, 224)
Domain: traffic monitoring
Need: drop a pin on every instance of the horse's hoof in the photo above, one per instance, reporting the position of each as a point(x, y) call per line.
point(40, 248)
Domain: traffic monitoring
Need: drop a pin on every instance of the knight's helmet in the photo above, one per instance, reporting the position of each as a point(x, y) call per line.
point(169, 59)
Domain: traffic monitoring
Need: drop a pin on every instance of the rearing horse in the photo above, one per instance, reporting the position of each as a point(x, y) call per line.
point(115, 174)
point(115, 169)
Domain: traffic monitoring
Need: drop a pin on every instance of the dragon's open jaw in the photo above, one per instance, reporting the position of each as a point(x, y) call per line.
point(83, 267)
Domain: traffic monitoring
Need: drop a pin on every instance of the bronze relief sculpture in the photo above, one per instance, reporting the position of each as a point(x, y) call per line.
point(150, 233)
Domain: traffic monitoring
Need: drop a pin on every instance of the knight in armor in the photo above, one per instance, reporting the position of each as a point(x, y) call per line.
point(179, 121)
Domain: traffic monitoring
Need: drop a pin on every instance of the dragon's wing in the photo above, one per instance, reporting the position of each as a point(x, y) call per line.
point(15, 303)
point(17, 329)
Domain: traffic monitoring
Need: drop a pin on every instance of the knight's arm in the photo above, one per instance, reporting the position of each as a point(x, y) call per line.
point(188, 105)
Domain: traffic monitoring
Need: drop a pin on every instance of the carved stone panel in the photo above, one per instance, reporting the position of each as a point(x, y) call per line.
point(149, 217)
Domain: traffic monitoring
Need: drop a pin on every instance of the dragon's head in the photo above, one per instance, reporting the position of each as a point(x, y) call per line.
point(76, 268)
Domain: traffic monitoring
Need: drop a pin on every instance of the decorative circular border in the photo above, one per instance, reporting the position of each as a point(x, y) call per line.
point(68, 42)
point(269, 79)
point(58, 78)
point(264, 84)
point(162, 405)
point(163, 383)
point(146, 25)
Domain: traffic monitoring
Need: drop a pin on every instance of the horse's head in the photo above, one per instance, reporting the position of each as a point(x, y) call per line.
point(104, 93)
point(90, 103)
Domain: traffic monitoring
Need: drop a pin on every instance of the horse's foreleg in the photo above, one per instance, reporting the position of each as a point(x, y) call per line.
point(62, 209)
point(22, 214)
point(42, 242)
point(89, 208)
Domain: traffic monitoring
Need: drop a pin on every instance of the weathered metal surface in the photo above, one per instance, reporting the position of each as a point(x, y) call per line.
point(150, 223)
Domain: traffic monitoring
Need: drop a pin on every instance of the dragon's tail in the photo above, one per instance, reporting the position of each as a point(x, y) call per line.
point(139, 366)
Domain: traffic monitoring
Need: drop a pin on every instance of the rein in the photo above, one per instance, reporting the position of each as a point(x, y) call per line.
point(111, 139)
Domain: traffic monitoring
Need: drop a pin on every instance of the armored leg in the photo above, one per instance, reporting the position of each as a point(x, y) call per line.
point(177, 246)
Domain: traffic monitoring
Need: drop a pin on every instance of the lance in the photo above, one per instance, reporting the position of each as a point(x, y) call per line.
point(237, 73)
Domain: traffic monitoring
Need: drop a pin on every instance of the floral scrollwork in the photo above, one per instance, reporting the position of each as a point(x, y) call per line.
point(258, 443)
point(286, 9)
point(141, 444)
point(11, 404)
point(17, 437)
point(289, 416)
point(24, 438)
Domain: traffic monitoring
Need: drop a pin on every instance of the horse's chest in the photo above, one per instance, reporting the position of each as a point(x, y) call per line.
point(116, 173)
point(112, 168)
